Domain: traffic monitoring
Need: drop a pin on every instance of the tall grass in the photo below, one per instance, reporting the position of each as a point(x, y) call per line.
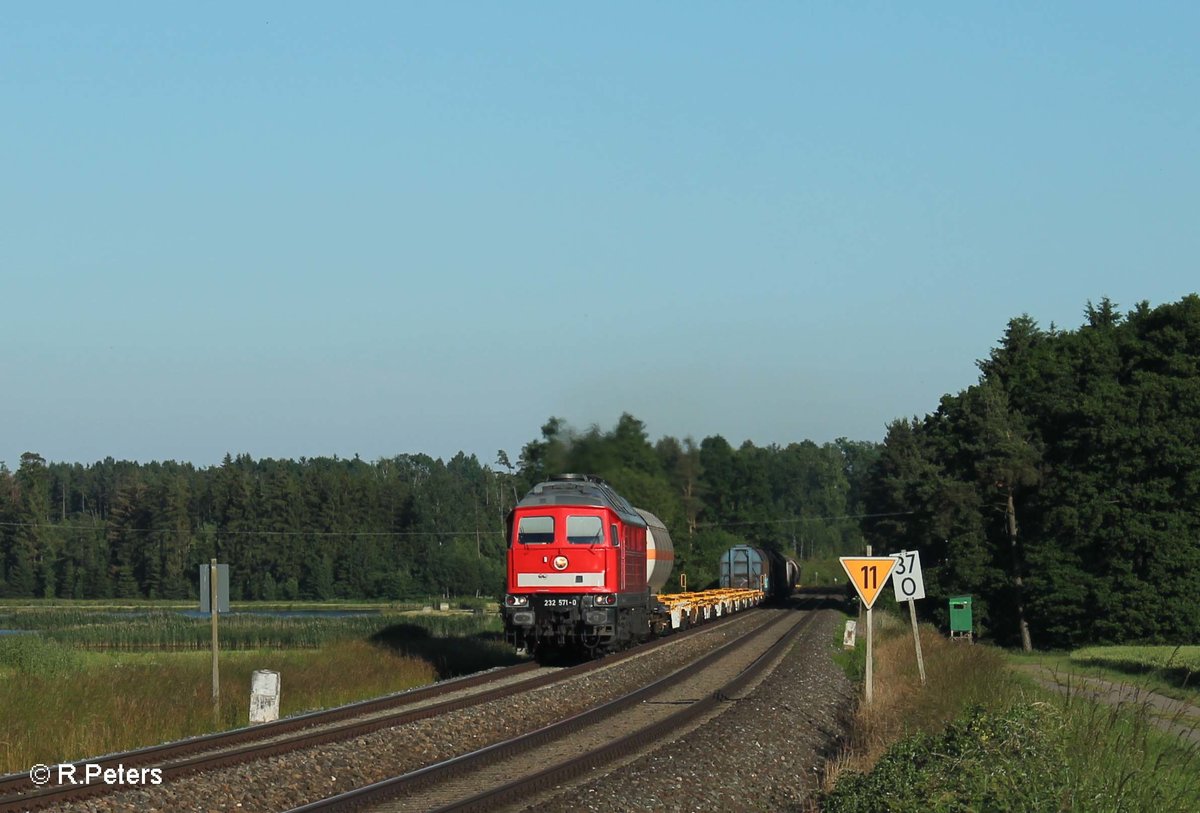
point(979, 736)
point(87, 682)
point(958, 675)
point(60, 705)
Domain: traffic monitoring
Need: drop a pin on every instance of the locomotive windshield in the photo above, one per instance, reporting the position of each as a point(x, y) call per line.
point(535, 530)
point(585, 530)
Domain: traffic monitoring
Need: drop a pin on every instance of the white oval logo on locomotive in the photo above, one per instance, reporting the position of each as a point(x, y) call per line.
point(560, 563)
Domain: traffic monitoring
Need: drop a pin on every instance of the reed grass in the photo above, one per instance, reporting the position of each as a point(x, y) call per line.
point(157, 629)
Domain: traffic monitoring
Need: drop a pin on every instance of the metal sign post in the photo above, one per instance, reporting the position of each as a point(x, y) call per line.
point(216, 669)
point(214, 599)
point(910, 586)
point(868, 574)
point(870, 690)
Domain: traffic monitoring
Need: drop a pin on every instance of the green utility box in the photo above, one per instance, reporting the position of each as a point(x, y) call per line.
point(961, 623)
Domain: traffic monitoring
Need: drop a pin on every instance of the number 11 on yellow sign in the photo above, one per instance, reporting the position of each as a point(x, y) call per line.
point(868, 574)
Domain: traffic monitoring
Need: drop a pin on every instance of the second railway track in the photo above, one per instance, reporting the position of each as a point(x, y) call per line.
point(213, 752)
point(515, 769)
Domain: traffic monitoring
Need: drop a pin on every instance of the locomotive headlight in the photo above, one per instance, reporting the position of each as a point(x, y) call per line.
point(516, 601)
point(605, 599)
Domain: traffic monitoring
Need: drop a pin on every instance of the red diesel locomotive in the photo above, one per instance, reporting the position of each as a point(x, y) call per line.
point(583, 568)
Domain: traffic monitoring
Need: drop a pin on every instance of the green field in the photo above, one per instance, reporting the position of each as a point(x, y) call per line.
point(1173, 671)
point(91, 678)
point(1167, 659)
point(163, 629)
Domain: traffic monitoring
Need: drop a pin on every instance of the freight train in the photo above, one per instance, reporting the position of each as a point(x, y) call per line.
point(769, 570)
point(585, 569)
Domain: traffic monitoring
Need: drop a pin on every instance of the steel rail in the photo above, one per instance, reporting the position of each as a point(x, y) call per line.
point(225, 748)
point(220, 750)
point(156, 754)
point(629, 744)
point(361, 798)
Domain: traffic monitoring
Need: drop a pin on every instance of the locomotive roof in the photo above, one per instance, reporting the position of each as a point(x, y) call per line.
point(580, 489)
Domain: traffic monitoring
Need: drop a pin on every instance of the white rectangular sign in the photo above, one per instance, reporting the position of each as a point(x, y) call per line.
point(264, 696)
point(906, 576)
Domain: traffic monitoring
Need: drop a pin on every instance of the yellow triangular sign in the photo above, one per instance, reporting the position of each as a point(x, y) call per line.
point(868, 574)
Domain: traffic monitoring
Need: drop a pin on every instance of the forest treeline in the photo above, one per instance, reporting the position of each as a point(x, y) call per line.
point(400, 527)
point(1061, 491)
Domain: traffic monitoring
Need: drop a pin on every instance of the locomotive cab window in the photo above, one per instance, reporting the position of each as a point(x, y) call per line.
point(585, 530)
point(535, 530)
point(616, 536)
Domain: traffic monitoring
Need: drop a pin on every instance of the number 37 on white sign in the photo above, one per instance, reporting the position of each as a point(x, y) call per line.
point(906, 576)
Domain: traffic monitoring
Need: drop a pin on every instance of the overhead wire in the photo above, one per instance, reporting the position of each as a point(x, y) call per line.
point(103, 526)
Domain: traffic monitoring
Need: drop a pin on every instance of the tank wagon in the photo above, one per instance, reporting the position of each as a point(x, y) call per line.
point(585, 569)
point(743, 566)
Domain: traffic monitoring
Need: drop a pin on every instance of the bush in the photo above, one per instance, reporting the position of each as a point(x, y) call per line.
point(983, 761)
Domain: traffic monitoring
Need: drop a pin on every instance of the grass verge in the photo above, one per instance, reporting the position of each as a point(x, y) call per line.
point(60, 704)
point(980, 736)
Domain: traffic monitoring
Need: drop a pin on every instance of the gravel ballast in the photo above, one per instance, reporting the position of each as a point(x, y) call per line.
point(765, 752)
point(286, 781)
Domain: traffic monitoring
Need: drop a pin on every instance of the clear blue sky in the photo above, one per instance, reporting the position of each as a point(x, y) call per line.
point(302, 229)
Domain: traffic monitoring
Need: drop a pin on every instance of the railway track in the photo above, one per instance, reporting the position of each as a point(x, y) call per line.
point(215, 751)
point(483, 780)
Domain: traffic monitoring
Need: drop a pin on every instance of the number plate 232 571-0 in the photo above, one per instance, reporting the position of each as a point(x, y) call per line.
point(560, 602)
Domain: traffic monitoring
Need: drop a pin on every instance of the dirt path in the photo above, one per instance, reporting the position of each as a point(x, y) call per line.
point(1171, 715)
